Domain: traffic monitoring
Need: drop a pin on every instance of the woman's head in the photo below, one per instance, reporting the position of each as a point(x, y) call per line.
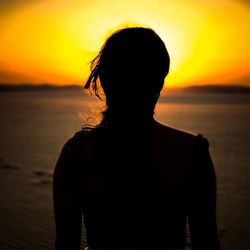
point(130, 68)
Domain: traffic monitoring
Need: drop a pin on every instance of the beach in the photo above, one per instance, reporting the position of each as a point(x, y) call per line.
point(35, 125)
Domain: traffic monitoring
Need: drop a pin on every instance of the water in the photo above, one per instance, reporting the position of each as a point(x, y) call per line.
point(34, 126)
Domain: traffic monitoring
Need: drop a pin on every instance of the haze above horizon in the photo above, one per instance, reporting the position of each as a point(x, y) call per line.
point(53, 41)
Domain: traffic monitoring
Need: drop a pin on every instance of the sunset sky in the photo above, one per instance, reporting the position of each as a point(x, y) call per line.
point(52, 41)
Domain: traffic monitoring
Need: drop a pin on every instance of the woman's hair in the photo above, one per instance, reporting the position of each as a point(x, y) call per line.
point(129, 70)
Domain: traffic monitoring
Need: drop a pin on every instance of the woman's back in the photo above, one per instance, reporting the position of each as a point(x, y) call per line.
point(136, 188)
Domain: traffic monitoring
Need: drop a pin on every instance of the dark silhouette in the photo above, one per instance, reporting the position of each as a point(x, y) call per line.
point(136, 182)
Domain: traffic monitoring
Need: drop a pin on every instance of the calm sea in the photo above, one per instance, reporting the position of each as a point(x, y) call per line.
point(34, 126)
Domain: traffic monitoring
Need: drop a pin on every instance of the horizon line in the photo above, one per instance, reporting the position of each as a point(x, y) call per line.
point(206, 88)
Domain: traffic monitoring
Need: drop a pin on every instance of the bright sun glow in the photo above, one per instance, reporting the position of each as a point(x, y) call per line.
point(53, 41)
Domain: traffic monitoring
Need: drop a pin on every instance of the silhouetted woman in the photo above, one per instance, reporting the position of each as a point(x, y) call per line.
point(135, 181)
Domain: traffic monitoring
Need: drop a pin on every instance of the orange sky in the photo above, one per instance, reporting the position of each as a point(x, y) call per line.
point(52, 41)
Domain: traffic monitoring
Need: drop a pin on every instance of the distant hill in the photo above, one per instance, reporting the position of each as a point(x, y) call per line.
point(218, 89)
point(39, 87)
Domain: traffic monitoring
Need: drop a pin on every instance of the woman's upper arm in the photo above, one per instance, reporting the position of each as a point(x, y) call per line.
point(202, 203)
point(67, 205)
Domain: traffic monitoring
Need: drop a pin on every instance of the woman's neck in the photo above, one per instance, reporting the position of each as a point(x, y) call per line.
point(127, 120)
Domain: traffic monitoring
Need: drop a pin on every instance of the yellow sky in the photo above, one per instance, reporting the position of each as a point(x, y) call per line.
point(52, 41)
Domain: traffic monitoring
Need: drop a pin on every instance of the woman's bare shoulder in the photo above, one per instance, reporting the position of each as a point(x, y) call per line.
point(174, 135)
point(75, 140)
point(70, 147)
